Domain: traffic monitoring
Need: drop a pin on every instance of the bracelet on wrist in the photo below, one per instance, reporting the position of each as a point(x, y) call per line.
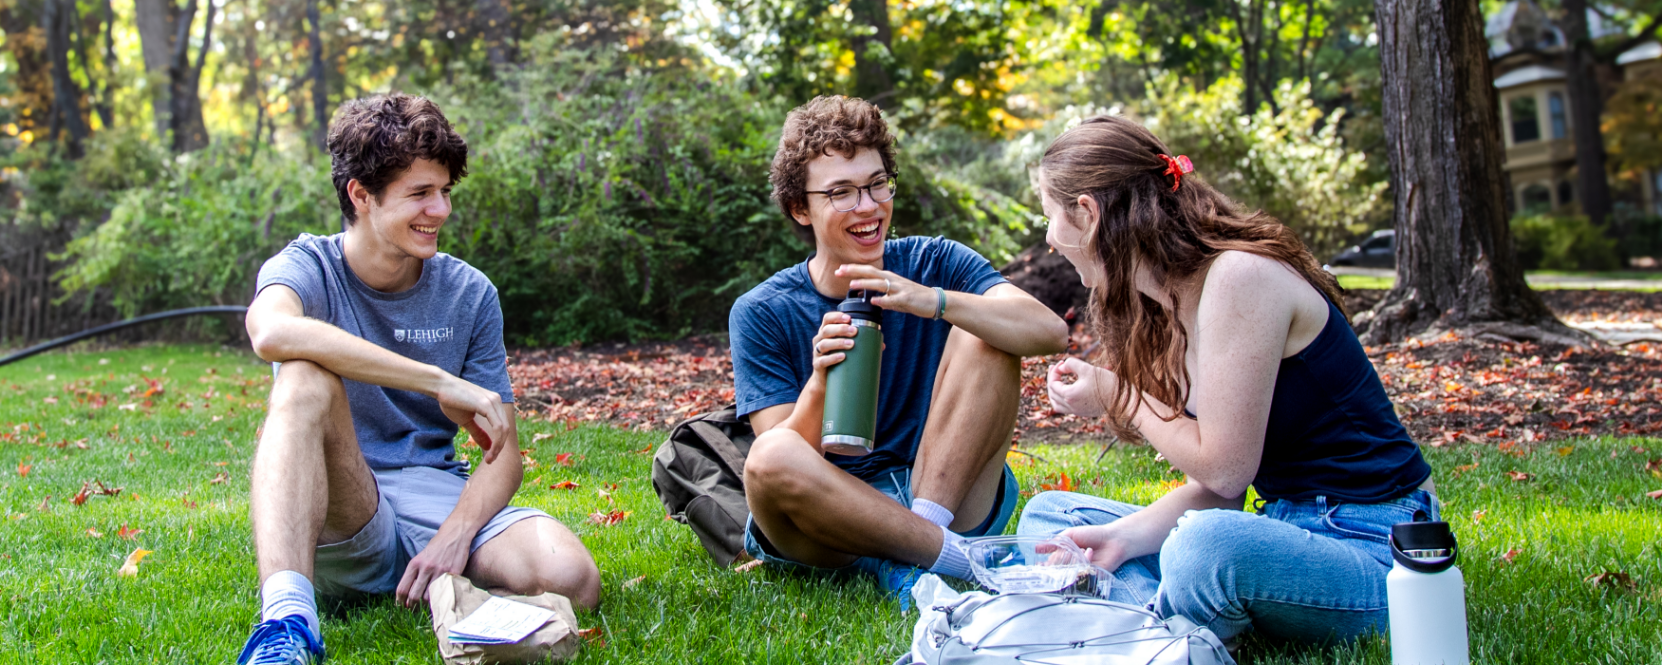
point(940, 303)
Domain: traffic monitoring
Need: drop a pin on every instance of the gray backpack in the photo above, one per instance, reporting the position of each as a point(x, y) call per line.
point(1051, 628)
point(698, 473)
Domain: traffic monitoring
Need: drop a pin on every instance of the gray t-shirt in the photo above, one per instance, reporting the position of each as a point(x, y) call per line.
point(450, 319)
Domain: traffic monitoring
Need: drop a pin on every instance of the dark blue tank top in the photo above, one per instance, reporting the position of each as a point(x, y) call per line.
point(1332, 428)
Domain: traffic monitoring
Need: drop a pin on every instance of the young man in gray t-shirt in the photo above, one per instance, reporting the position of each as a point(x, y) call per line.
point(384, 347)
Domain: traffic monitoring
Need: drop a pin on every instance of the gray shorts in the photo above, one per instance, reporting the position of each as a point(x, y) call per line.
point(413, 502)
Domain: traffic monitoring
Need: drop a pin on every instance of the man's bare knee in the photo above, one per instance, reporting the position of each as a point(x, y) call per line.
point(776, 463)
point(305, 387)
point(574, 576)
point(551, 563)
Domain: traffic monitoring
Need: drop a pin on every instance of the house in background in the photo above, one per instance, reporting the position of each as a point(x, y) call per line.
point(1528, 54)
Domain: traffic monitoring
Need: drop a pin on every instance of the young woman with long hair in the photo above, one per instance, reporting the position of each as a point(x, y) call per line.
point(1224, 347)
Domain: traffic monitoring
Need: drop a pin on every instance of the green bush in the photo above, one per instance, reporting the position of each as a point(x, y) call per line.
point(197, 232)
point(1640, 234)
point(1550, 242)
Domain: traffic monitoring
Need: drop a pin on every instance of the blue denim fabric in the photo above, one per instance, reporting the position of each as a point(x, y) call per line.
point(895, 484)
point(1308, 570)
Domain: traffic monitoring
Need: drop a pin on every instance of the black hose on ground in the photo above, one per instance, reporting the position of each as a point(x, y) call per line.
point(118, 325)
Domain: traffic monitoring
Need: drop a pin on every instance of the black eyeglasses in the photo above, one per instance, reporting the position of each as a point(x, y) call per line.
point(847, 197)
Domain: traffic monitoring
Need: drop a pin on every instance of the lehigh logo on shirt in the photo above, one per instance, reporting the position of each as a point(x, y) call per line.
point(430, 336)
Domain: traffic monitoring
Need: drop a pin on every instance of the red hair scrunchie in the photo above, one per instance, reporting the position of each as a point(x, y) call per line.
point(1176, 167)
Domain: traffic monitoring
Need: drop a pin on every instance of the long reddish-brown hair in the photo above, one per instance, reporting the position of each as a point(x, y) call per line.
point(1174, 235)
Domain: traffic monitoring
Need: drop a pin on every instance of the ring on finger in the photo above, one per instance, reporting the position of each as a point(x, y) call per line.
point(887, 286)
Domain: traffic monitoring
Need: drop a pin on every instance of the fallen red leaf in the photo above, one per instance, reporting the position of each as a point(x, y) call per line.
point(1520, 476)
point(1620, 581)
point(595, 637)
point(128, 533)
point(1510, 555)
point(609, 518)
point(81, 496)
point(564, 485)
point(94, 532)
point(23, 469)
point(1478, 515)
point(1064, 485)
point(564, 459)
point(219, 478)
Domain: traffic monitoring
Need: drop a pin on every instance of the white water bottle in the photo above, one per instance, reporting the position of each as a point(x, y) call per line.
point(1427, 596)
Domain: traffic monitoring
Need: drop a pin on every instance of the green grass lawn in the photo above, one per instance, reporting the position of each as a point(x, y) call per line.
point(1583, 513)
point(1539, 279)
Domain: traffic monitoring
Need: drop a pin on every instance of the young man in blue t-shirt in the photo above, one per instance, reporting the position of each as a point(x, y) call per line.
point(954, 332)
point(385, 347)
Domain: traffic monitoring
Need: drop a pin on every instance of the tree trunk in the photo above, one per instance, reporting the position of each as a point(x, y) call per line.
point(1455, 264)
point(155, 20)
point(1586, 107)
point(185, 112)
point(320, 84)
point(871, 52)
point(66, 94)
point(495, 28)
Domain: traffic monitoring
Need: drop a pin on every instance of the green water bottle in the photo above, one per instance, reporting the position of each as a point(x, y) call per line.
point(851, 385)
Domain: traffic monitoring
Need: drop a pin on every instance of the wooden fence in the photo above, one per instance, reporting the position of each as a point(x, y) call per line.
point(27, 292)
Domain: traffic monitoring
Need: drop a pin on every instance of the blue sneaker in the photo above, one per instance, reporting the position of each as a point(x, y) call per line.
point(894, 578)
point(285, 641)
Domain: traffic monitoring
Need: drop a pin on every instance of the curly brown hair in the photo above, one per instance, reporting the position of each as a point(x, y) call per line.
point(1173, 234)
point(375, 139)
point(824, 125)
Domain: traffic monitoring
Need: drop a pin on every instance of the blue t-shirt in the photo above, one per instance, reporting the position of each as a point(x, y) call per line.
point(450, 319)
point(772, 329)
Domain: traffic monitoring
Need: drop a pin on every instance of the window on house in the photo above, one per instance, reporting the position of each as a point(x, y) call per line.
point(1536, 199)
point(1566, 193)
point(1555, 108)
point(1526, 126)
point(1656, 190)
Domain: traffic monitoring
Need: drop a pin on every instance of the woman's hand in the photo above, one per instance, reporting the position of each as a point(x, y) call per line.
point(1102, 548)
point(1079, 388)
point(899, 294)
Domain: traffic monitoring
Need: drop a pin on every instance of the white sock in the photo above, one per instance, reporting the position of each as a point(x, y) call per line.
point(287, 593)
point(951, 561)
point(937, 514)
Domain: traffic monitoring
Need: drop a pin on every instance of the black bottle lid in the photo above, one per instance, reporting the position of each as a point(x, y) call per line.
point(1425, 547)
point(858, 305)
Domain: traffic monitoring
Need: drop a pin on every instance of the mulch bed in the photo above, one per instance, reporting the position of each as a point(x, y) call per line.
point(1448, 390)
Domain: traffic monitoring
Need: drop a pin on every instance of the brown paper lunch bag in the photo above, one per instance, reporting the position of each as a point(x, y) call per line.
point(453, 597)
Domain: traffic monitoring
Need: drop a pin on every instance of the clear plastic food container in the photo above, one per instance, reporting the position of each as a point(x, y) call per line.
point(1031, 564)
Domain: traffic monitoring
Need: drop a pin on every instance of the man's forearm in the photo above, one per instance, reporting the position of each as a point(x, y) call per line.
point(1019, 326)
point(487, 492)
point(345, 354)
point(808, 415)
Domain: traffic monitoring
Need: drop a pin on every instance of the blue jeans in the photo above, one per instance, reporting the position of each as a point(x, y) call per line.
point(1306, 570)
